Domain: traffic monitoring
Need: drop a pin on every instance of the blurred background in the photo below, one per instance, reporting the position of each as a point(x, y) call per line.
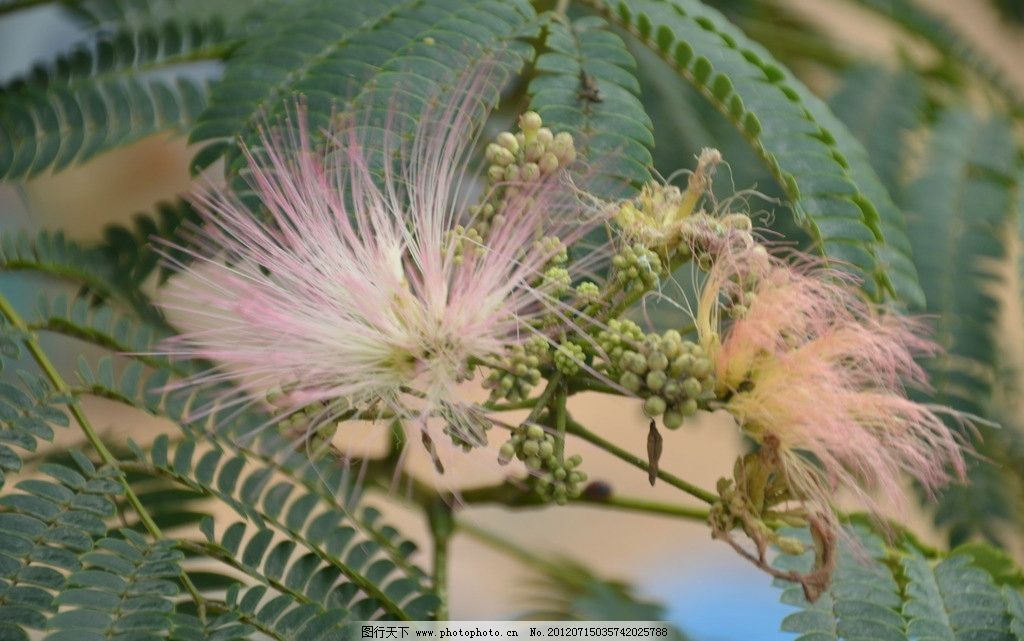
point(706, 589)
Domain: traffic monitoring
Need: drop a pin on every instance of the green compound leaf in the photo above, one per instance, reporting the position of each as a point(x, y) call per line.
point(958, 207)
point(48, 527)
point(121, 88)
point(100, 325)
point(53, 254)
point(329, 52)
point(955, 48)
point(862, 602)
point(29, 409)
point(898, 595)
point(324, 559)
point(835, 194)
point(586, 84)
point(880, 108)
point(134, 250)
point(274, 485)
point(124, 587)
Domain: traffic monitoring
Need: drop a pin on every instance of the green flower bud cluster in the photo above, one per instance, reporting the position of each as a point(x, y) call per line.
point(553, 247)
point(588, 292)
point(464, 242)
point(637, 268)
point(620, 336)
point(533, 152)
point(556, 281)
point(568, 358)
point(518, 370)
point(554, 480)
point(530, 154)
point(672, 375)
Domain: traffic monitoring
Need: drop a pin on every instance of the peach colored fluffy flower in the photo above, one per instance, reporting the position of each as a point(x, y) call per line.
point(807, 361)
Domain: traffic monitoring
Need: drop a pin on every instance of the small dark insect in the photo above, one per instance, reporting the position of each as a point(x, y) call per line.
point(589, 90)
point(597, 491)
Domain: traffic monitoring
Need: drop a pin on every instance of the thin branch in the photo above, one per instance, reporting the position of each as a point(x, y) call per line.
point(513, 494)
point(94, 439)
point(576, 429)
point(442, 526)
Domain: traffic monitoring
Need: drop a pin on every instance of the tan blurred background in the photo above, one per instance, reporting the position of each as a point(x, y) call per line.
point(673, 561)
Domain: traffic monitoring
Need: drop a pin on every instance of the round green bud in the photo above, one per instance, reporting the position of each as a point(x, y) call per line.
point(672, 420)
point(682, 365)
point(559, 474)
point(544, 136)
point(548, 163)
point(531, 448)
point(533, 462)
point(534, 432)
point(657, 361)
point(508, 141)
point(530, 121)
point(533, 152)
point(691, 387)
point(631, 382)
point(506, 453)
point(498, 155)
point(656, 380)
point(530, 171)
point(689, 407)
point(701, 367)
point(496, 173)
point(672, 391)
point(654, 406)
point(546, 449)
point(573, 461)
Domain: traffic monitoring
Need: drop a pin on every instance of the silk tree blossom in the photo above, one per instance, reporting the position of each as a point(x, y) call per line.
point(810, 368)
point(375, 288)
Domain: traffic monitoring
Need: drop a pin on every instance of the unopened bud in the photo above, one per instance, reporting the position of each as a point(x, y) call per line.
point(499, 155)
point(508, 141)
point(530, 121)
point(548, 163)
point(533, 152)
point(654, 406)
point(530, 171)
point(790, 545)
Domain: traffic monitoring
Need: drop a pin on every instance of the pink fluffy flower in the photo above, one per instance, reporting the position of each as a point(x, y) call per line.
point(809, 364)
point(364, 290)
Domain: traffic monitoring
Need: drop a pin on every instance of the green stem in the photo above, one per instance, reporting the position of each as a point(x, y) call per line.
point(442, 526)
point(554, 384)
point(511, 494)
point(560, 416)
point(90, 434)
point(574, 428)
